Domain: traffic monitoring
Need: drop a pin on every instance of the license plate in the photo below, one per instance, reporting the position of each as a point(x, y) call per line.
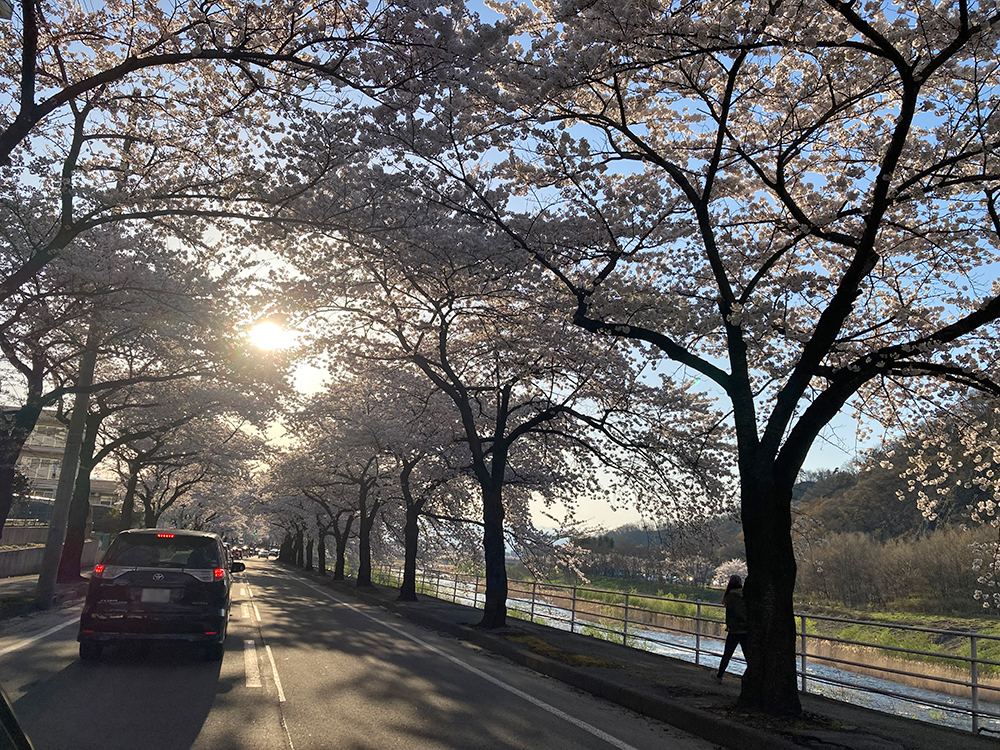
point(160, 596)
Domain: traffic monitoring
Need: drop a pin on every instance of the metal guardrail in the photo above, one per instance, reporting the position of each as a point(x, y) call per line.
point(642, 620)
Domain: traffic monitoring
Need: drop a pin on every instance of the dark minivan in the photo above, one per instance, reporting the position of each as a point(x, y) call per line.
point(159, 584)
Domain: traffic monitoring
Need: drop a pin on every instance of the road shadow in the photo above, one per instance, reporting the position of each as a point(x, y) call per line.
point(140, 696)
point(389, 689)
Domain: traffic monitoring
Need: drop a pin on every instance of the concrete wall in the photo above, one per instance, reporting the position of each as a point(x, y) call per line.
point(20, 562)
point(23, 562)
point(18, 535)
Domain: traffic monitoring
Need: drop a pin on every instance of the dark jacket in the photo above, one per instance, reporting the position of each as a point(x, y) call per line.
point(736, 612)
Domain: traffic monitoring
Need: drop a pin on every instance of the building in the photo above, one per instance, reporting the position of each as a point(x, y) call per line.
point(41, 458)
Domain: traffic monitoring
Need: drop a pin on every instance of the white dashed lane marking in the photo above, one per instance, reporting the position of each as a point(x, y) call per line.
point(250, 664)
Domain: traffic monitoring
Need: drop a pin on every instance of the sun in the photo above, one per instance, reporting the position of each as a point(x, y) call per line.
point(270, 335)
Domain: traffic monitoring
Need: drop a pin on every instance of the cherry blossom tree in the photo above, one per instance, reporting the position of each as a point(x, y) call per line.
point(200, 455)
point(178, 116)
point(298, 483)
point(536, 399)
point(795, 205)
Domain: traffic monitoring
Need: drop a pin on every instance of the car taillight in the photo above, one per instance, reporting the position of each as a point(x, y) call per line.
point(164, 536)
point(220, 572)
point(98, 570)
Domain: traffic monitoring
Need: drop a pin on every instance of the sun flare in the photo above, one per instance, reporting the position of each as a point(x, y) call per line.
point(269, 335)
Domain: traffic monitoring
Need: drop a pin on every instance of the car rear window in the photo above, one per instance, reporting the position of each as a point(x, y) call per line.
point(148, 551)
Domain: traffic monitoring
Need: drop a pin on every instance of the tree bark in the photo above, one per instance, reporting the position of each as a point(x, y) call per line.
point(79, 509)
point(321, 552)
point(411, 531)
point(365, 551)
point(495, 609)
point(285, 551)
point(309, 554)
point(16, 429)
point(46, 588)
point(341, 537)
point(150, 516)
point(769, 683)
point(368, 511)
point(128, 503)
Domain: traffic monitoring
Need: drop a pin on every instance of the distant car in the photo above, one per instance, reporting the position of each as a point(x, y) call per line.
point(273, 552)
point(158, 584)
point(262, 553)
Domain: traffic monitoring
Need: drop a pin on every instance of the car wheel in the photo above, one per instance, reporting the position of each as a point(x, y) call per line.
point(214, 651)
point(91, 651)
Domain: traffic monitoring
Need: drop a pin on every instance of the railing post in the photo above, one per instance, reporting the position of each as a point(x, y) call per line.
point(423, 580)
point(625, 623)
point(534, 593)
point(697, 633)
point(974, 668)
point(475, 593)
point(454, 589)
point(572, 617)
point(437, 584)
point(802, 620)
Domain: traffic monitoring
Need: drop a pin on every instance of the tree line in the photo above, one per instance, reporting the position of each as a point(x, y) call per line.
point(672, 243)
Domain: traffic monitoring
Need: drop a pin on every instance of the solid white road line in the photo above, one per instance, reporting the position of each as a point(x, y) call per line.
point(611, 740)
point(274, 671)
point(250, 664)
point(28, 641)
point(256, 611)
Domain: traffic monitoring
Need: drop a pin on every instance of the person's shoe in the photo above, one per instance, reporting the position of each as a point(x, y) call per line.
point(718, 679)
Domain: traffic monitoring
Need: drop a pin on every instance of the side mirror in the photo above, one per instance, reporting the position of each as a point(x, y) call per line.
point(237, 567)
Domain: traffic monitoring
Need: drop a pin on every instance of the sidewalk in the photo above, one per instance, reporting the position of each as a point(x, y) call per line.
point(676, 692)
point(17, 595)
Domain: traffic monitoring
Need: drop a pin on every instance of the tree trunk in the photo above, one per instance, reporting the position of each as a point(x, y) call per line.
point(76, 529)
point(321, 552)
point(14, 432)
point(128, 504)
point(340, 564)
point(150, 517)
point(341, 537)
point(299, 548)
point(309, 554)
point(285, 551)
point(45, 591)
point(365, 551)
point(79, 509)
point(495, 610)
point(769, 683)
point(408, 588)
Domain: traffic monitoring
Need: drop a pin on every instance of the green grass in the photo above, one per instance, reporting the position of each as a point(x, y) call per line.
point(884, 639)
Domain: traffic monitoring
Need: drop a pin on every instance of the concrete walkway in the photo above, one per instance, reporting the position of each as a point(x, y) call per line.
point(673, 691)
point(17, 595)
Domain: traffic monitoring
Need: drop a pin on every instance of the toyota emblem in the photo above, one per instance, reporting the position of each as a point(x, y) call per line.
point(157, 576)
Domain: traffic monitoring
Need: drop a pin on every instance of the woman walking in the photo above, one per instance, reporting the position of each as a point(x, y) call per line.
point(736, 623)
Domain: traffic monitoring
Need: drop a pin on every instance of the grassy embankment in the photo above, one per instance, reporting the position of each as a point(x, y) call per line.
point(880, 639)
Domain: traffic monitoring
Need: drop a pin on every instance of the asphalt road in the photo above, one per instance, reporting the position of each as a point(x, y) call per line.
point(304, 669)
